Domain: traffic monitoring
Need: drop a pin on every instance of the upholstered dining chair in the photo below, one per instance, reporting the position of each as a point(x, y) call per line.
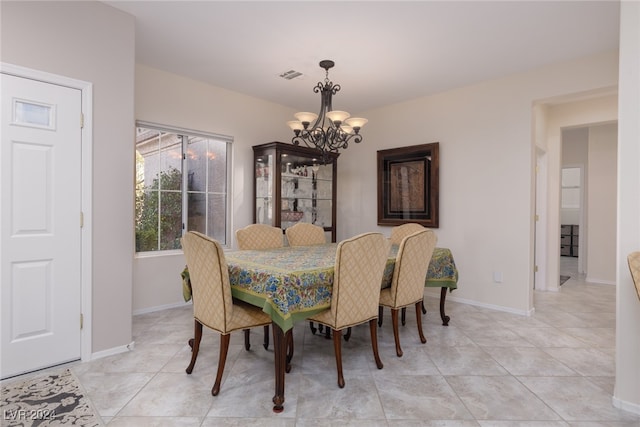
point(257, 237)
point(407, 284)
point(399, 232)
point(213, 305)
point(634, 266)
point(359, 266)
point(305, 234)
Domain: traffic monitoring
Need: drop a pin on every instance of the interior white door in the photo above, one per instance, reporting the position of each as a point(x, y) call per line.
point(40, 217)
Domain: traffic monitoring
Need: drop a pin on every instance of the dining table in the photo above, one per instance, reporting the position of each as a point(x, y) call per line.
point(293, 283)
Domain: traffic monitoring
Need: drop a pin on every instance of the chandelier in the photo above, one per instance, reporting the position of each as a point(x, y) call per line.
point(332, 130)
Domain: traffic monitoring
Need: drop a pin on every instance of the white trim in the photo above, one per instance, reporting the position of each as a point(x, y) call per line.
point(230, 200)
point(540, 224)
point(634, 408)
point(483, 305)
point(182, 131)
point(113, 351)
point(86, 89)
point(596, 281)
point(159, 308)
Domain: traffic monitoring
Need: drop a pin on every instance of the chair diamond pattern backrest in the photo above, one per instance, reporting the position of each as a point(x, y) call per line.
point(634, 266)
point(360, 263)
point(401, 231)
point(209, 275)
point(305, 234)
point(412, 263)
point(259, 236)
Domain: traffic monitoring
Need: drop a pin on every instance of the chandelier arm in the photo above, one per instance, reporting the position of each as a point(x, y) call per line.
point(313, 138)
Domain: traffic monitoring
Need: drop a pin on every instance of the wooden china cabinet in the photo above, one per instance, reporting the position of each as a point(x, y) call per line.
point(291, 184)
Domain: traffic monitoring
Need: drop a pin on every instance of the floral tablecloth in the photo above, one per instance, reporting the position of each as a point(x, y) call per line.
point(293, 283)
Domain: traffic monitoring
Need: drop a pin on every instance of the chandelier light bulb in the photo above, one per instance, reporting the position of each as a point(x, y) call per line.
point(295, 125)
point(356, 122)
point(346, 129)
point(305, 117)
point(337, 116)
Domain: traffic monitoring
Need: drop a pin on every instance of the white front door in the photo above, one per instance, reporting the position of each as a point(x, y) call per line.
point(40, 234)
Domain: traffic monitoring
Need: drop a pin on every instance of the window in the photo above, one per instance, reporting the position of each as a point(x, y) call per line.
point(570, 188)
point(168, 161)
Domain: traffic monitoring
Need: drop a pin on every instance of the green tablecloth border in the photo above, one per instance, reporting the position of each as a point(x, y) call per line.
point(441, 283)
point(285, 322)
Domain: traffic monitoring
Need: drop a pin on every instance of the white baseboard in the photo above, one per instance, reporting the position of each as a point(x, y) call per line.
point(484, 305)
point(597, 281)
point(159, 308)
point(112, 351)
point(634, 408)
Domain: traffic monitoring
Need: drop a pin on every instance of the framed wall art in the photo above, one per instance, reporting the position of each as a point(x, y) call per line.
point(408, 185)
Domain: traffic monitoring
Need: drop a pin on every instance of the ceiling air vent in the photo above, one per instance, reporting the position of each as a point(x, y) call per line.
point(291, 74)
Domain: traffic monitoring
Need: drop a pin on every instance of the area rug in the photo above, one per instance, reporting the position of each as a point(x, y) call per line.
point(53, 399)
point(564, 279)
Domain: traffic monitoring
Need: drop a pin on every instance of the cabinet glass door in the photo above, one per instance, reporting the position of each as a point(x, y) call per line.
point(307, 191)
point(264, 189)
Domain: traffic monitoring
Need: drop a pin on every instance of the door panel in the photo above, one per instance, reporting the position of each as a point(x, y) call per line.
point(40, 177)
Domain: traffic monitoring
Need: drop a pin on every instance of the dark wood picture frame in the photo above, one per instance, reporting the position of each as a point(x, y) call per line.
point(408, 185)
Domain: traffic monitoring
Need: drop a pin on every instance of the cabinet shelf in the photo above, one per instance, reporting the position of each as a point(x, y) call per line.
point(569, 235)
point(305, 198)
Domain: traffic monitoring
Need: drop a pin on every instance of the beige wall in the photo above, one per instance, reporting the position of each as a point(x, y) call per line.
point(92, 42)
point(627, 389)
point(486, 172)
point(601, 204)
point(172, 100)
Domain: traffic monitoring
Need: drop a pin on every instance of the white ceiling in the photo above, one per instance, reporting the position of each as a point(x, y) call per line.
point(385, 51)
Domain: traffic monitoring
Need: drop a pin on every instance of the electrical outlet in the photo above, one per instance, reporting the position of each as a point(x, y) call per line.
point(497, 276)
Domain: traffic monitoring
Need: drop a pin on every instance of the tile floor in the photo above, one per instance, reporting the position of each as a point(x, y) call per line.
point(487, 368)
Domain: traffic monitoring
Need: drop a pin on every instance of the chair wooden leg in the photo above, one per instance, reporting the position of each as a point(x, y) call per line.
point(289, 338)
point(404, 316)
point(224, 348)
point(424, 310)
point(419, 319)
point(374, 342)
point(380, 313)
point(396, 332)
point(313, 328)
point(348, 334)
point(337, 348)
point(247, 340)
point(266, 337)
point(195, 345)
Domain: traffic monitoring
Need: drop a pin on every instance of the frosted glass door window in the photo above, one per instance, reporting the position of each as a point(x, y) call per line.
point(34, 114)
